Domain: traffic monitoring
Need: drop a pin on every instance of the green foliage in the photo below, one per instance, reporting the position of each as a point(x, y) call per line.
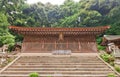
point(112, 63)
point(92, 13)
point(92, 18)
point(115, 29)
point(100, 47)
point(3, 22)
point(10, 47)
point(99, 40)
point(111, 75)
point(70, 21)
point(69, 8)
point(34, 74)
point(8, 39)
point(117, 68)
point(9, 60)
point(5, 36)
point(114, 15)
point(107, 57)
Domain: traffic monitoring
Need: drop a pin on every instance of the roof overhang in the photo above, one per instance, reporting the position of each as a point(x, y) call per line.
point(44, 31)
point(112, 37)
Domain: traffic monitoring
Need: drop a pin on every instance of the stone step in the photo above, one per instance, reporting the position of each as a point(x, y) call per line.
point(59, 63)
point(60, 72)
point(56, 60)
point(59, 69)
point(54, 75)
point(90, 61)
point(59, 66)
point(60, 56)
point(56, 66)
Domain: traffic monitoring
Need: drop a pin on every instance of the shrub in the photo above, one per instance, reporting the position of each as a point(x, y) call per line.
point(112, 63)
point(117, 68)
point(34, 74)
point(107, 57)
point(111, 75)
point(10, 48)
point(101, 47)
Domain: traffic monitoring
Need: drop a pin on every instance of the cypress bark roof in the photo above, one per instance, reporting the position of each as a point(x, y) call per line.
point(112, 37)
point(40, 30)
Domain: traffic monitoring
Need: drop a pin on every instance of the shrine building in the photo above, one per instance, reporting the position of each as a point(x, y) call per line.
point(46, 40)
point(107, 39)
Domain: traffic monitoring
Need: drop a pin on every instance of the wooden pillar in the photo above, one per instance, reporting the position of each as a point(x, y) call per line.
point(43, 45)
point(67, 45)
point(55, 45)
point(79, 45)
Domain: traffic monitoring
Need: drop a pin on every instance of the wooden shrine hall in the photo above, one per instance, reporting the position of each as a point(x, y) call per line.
point(46, 40)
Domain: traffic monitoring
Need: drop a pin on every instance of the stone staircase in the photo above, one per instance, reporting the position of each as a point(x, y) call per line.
point(58, 66)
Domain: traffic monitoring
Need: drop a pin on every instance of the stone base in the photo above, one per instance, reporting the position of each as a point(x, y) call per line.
point(117, 60)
